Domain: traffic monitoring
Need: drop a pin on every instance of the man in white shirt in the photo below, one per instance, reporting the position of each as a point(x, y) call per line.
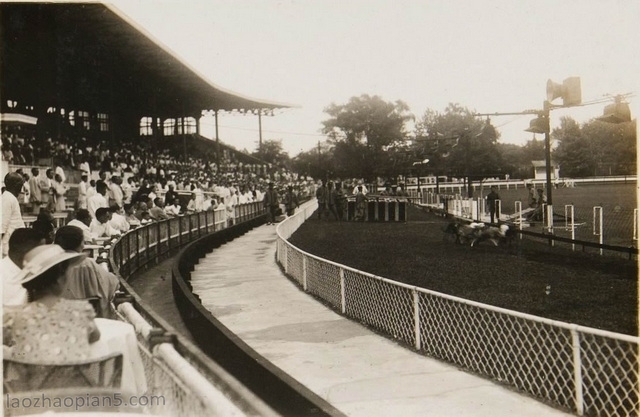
point(82, 191)
point(11, 215)
point(118, 221)
point(173, 209)
point(100, 226)
point(82, 222)
point(21, 241)
point(98, 200)
point(116, 193)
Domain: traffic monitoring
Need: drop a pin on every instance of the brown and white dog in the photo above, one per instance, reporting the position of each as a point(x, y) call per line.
point(496, 235)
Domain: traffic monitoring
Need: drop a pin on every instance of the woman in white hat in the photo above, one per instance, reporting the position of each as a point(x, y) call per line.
point(49, 329)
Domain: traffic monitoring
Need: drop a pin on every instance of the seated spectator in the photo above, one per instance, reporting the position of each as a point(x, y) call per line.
point(191, 207)
point(84, 278)
point(50, 328)
point(21, 241)
point(142, 211)
point(44, 225)
point(157, 211)
point(174, 208)
point(100, 226)
point(170, 195)
point(130, 215)
point(118, 220)
point(83, 222)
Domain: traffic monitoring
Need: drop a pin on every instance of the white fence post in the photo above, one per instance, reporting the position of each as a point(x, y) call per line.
point(635, 224)
point(416, 318)
point(597, 225)
point(343, 297)
point(304, 272)
point(577, 371)
point(518, 209)
point(550, 222)
point(569, 214)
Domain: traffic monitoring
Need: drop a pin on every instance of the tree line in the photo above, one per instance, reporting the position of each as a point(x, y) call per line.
point(368, 137)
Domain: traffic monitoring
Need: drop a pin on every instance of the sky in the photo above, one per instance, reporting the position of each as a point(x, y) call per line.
point(488, 56)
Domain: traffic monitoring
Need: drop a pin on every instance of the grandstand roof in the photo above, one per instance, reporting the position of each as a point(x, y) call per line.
point(92, 57)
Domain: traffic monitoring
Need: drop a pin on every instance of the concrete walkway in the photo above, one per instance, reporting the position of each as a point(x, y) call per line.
point(357, 371)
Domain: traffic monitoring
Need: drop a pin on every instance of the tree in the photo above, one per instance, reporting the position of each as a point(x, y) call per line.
point(574, 153)
point(362, 131)
point(272, 153)
point(458, 144)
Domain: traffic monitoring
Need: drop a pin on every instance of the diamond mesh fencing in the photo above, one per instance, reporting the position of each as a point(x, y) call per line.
point(588, 371)
point(323, 280)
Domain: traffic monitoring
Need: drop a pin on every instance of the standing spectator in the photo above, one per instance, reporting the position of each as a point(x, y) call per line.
point(11, 215)
point(291, 201)
point(127, 190)
point(59, 189)
point(361, 204)
point(493, 203)
point(531, 196)
point(36, 193)
point(21, 241)
point(332, 200)
point(59, 171)
point(340, 200)
point(271, 203)
point(82, 192)
point(98, 200)
point(322, 195)
point(116, 196)
point(46, 197)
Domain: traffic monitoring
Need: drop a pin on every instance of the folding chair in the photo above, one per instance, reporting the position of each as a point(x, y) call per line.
point(21, 375)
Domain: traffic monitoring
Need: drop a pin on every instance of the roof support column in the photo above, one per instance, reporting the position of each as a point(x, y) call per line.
point(260, 131)
point(215, 113)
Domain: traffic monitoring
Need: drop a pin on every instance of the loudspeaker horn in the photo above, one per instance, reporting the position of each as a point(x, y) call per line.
point(554, 90)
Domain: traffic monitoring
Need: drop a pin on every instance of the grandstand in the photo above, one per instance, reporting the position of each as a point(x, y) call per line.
point(85, 90)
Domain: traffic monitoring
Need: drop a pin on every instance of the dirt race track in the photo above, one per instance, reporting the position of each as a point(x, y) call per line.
point(586, 289)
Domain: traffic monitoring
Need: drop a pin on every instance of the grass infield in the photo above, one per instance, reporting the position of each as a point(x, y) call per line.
point(585, 289)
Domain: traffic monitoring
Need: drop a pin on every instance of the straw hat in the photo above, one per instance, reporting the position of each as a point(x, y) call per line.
point(41, 258)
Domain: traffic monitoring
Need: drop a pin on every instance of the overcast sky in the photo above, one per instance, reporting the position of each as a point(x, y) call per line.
point(490, 56)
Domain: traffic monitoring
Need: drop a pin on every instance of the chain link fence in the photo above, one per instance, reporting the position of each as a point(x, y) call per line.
point(588, 371)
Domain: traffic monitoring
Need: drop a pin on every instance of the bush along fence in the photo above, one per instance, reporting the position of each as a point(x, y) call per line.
point(585, 370)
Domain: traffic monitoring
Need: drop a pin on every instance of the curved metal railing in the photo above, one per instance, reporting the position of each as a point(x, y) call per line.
point(588, 371)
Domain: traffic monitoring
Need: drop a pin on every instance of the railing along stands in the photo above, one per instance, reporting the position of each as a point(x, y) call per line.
point(189, 382)
point(588, 371)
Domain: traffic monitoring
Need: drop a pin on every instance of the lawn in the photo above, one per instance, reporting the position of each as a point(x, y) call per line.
point(530, 276)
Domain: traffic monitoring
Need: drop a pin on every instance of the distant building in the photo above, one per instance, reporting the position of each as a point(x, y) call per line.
point(540, 170)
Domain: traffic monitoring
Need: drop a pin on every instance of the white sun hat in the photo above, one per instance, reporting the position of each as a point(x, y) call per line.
point(42, 258)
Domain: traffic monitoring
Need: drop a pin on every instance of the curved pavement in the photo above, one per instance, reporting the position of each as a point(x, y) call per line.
point(357, 371)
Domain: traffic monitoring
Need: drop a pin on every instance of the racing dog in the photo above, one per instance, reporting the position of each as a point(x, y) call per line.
point(473, 233)
point(496, 235)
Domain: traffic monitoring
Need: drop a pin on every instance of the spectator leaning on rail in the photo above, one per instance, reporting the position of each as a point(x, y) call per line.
point(11, 215)
point(83, 221)
point(49, 329)
point(21, 241)
point(118, 220)
point(84, 278)
point(157, 211)
point(100, 226)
